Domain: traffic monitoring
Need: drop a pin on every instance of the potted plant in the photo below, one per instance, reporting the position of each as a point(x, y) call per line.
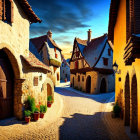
point(36, 114)
point(49, 101)
point(65, 80)
point(116, 110)
point(27, 114)
point(43, 109)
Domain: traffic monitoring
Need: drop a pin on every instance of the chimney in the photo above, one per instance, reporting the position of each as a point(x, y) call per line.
point(89, 35)
point(49, 33)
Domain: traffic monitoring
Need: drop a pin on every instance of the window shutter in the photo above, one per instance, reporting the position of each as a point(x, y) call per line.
point(12, 12)
point(0, 9)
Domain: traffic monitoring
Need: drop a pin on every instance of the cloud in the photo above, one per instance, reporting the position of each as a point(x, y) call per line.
point(61, 16)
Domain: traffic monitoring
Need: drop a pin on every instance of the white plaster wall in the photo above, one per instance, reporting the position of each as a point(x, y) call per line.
point(100, 64)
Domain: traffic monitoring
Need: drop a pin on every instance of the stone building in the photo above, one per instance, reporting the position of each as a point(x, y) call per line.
point(65, 69)
point(21, 73)
point(91, 65)
point(50, 54)
point(124, 34)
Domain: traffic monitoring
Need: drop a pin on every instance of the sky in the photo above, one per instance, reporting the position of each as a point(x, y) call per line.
point(68, 19)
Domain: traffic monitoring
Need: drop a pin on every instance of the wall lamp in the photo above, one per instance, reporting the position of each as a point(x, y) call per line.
point(115, 68)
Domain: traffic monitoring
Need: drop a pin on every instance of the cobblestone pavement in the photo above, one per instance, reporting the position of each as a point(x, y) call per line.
point(82, 119)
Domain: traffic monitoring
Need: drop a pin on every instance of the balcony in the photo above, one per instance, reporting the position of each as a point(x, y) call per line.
point(132, 50)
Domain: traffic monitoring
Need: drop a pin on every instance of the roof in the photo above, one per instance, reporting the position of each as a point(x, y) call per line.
point(35, 63)
point(82, 42)
point(39, 42)
point(94, 50)
point(112, 18)
point(33, 18)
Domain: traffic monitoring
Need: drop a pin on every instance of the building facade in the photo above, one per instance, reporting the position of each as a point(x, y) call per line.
point(21, 73)
point(50, 54)
point(124, 34)
point(91, 65)
point(65, 70)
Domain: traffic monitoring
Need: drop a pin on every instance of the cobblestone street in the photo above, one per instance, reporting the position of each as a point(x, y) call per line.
point(80, 118)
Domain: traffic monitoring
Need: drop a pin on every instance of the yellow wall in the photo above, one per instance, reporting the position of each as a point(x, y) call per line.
point(119, 45)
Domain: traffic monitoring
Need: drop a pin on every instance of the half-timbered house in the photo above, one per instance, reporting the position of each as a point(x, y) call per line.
point(91, 65)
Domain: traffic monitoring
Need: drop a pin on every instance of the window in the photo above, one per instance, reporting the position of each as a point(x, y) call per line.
point(54, 49)
point(83, 78)
point(78, 78)
point(76, 64)
point(109, 52)
point(77, 54)
point(6, 11)
point(105, 61)
point(63, 71)
point(56, 56)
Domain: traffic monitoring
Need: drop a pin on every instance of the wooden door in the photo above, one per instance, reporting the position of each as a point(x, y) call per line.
point(103, 86)
point(88, 84)
point(6, 87)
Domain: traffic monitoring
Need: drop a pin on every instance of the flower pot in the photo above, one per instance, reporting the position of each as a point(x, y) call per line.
point(41, 115)
point(27, 119)
point(36, 116)
point(49, 104)
point(65, 80)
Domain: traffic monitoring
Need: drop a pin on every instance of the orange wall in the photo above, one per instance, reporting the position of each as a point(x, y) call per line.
point(119, 45)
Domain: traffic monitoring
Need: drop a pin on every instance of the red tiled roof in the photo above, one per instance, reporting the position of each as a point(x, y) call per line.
point(33, 18)
point(39, 42)
point(34, 62)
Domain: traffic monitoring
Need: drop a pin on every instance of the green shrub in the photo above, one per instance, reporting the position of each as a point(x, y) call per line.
point(49, 98)
point(55, 62)
point(43, 108)
point(31, 104)
point(27, 113)
point(36, 110)
point(116, 109)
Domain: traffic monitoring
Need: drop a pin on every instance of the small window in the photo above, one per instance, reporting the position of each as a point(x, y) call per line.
point(6, 11)
point(78, 78)
point(56, 56)
point(105, 61)
point(109, 52)
point(54, 49)
point(63, 71)
point(76, 64)
point(77, 54)
point(119, 79)
point(83, 78)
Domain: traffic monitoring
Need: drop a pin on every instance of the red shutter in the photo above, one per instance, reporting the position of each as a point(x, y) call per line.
point(56, 55)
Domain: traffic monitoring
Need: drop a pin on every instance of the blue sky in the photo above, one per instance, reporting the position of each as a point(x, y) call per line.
point(68, 19)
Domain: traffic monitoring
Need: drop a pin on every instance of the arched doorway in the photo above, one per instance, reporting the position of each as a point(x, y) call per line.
point(127, 101)
point(49, 90)
point(134, 106)
point(103, 86)
point(88, 84)
point(6, 86)
point(73, 82)
point(57, 76)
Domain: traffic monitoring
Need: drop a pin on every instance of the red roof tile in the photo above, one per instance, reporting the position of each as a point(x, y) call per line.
point(34, 62)
point(33, 18)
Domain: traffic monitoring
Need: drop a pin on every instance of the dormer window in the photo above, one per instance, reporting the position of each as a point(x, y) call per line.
point(6, 11)
point(105, 61)
point(109, 52)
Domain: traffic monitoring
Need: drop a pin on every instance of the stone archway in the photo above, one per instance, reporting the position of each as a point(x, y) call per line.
point(127, 101)
point(103, 86)
point(134, 106)
point(6, 86)
point(49, 90)
point(88, 84)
